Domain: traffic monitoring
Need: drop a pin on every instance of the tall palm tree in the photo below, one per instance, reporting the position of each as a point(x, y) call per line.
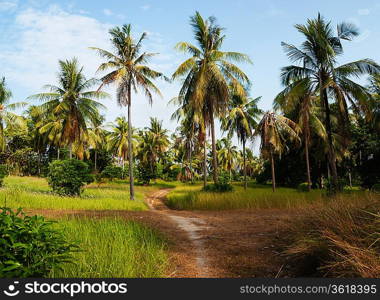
point(299, 97)
point(317, 61)
point(129, 72)
point(119, 141)
point(242, 120)
point(208, 74)
point(7, 117)
point(71, 104)
point(273, 130)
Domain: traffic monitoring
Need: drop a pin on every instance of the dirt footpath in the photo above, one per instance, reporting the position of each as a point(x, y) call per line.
point(236, 243)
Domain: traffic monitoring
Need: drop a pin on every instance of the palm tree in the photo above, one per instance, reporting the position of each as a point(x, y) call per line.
point(242, 120)
point(159, 137)
point(208, 74)
point(119, 141)
point(71, 105)
point(317, 61)
point(7, 117)
point(299, 97)
point(273, 130)
point(97, 139)
point(129, 72)
point(227, 155)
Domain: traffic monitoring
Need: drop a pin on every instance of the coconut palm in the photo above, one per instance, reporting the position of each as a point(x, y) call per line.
point(118, 139)
point(7, 117)
point(227, 155)
point(208, 74)
point(274, 130)
point(159, 137)
point(72, 106)
point(299, 97)
point(97, 139)
point(242, 119)
point(317, 61)
point(129, 72)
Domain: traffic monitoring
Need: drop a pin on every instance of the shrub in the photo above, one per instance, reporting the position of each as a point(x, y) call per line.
point(376, 188)
point(113, 172)
point(223, 185)
point(30, 246)
point(67, 177)
point(144, 173)
point(303, 187)
point(3, 173)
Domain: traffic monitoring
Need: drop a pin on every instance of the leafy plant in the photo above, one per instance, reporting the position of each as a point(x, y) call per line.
point(223, 184)
point(113, 172)
point(3, 173)
point(30, 246)
point(303, 187)
point(67, 177)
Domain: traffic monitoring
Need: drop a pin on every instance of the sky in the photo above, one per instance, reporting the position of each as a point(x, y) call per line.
point(36, 34)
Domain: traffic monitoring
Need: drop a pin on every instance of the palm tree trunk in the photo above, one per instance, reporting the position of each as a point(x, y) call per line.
point(58, 153)
point(204, 162)
point(331, 152)
point(130, 152)
point(244, 166)
point(273, 173)
point(95, 162)
point(191, 166)
point(214, 158)
point(71, 150)
point(307, 158)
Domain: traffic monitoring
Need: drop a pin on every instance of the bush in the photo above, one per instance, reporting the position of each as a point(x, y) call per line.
point(303, 187)
point(376, 188)
point(67, 177)
point(30, 246)
point(3, 173)
point(113, 172)
point(223, 185)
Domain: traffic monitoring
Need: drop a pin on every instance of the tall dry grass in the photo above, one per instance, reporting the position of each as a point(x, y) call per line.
point(338, 239)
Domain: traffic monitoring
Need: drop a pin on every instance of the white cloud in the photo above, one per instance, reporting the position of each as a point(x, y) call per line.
point(40, 38)
point(145, 7)
point(8, 5)
point(363, 12)
point(107, 12)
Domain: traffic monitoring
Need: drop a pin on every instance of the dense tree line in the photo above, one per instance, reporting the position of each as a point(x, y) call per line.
point(324, 129)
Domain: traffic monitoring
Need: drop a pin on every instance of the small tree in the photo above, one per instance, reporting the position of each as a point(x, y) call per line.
point(67, 177)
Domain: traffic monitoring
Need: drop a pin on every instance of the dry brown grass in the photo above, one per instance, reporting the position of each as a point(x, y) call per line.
point(338, 239)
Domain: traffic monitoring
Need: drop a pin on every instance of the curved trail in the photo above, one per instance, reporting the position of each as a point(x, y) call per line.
point(191, 225)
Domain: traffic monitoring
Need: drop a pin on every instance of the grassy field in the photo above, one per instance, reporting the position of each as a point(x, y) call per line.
point(112, 247)
point(256, 196)
point(33, 192)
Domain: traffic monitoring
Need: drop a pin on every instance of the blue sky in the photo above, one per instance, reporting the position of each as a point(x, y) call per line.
point(35, 34)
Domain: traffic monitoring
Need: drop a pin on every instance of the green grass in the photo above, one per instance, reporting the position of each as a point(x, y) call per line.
point(34, 193)
point(112, 247)
point(255, 197)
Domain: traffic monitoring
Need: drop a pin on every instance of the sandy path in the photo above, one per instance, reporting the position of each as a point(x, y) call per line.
point(193, 226)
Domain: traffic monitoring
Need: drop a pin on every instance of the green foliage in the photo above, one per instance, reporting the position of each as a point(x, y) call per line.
point(67, 177)
point(30, 246)
point(145, 173)
point(223, 184)
point(113, 172)
point(303, 187)
point(3, 173)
